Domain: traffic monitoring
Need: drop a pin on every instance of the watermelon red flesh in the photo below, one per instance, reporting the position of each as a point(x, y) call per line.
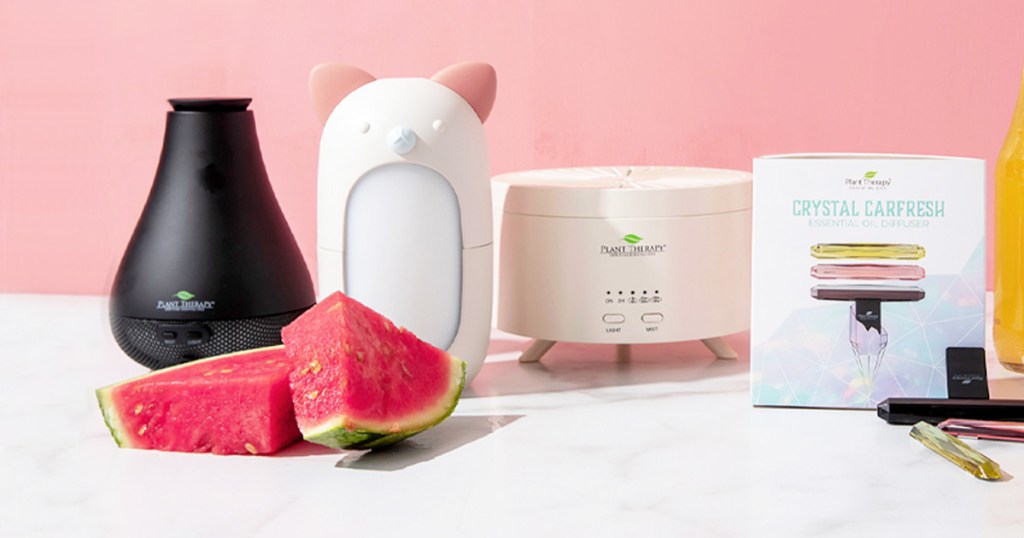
point(362, 382)
point(230, 404)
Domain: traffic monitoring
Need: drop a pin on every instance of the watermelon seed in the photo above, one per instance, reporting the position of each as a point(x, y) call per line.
point(348, 350)
point(250, 448)
point(142, 430)
point(315, 365)
point(313, 395)
point(304, 371)
point(359, 356)
point(138, 409)
point(207, 374)
point(227, 370)
point(406, 370)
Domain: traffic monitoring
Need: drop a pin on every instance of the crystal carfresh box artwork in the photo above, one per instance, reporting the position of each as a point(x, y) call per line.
point(865, 269)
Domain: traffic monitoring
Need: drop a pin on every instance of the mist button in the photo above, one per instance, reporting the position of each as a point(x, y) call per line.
point(652, 317)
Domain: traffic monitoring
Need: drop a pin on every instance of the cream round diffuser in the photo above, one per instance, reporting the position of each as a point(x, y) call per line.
point(624, 255)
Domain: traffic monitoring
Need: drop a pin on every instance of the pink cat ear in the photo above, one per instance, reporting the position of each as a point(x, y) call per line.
point(476, 82)
point(330, 83)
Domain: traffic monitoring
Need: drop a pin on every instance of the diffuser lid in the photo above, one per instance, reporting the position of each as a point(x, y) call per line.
point(210, 104)
point(626, 191)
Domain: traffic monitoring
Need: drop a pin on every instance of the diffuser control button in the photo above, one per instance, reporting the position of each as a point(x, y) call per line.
point(614, 318)
point(652, 317)
point(191, 334)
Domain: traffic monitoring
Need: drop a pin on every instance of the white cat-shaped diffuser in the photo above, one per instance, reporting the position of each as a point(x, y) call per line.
point(404, 200)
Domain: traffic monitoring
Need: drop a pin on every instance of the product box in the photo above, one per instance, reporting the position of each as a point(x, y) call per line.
point(865, 269)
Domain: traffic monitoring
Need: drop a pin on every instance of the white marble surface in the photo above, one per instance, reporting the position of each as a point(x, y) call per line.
point(577, 446)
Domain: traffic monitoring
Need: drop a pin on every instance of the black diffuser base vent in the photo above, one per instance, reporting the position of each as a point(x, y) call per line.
point(160, 343)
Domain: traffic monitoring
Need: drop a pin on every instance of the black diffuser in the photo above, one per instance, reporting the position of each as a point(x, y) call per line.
point(212, 266)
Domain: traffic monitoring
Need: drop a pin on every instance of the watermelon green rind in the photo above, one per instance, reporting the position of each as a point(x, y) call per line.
point(339, 433)
point(112, 418)
point(339, 437)
point(181, 366)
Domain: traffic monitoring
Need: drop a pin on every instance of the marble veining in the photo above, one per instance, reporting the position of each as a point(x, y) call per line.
point(579, 444)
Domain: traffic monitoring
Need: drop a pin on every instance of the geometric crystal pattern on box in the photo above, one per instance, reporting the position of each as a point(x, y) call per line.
point(868, 348)
point(808, 361)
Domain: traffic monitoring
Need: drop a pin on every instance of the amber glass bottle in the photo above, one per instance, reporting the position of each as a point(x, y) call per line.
point(1008, 326)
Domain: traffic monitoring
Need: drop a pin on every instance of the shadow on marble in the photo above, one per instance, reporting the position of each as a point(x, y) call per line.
point(570, 366)
point(451, 434)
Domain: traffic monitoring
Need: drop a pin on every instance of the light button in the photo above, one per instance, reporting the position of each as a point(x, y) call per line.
point(652, 317)
point(614, 318)
point(194, 338)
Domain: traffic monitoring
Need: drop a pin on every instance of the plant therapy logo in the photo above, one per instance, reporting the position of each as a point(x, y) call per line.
point(869, 181)
point(184, 303)
point(632, 247)
point(869, 316)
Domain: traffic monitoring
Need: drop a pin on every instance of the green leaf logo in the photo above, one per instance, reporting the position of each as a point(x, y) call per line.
point(632, 239)
point(870, 174)
point(184, 295)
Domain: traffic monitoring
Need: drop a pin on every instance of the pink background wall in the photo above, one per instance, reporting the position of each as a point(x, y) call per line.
point(82, 89)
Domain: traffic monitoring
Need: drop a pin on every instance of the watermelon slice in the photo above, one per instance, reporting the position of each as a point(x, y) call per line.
point(360, 382)
point(230, 404)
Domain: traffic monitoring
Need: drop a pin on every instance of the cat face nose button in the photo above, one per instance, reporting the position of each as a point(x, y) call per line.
point(401, 140)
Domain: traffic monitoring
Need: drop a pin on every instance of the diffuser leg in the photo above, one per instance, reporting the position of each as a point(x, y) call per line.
point(720, 348)
point(622, 352)
point(536, 350)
